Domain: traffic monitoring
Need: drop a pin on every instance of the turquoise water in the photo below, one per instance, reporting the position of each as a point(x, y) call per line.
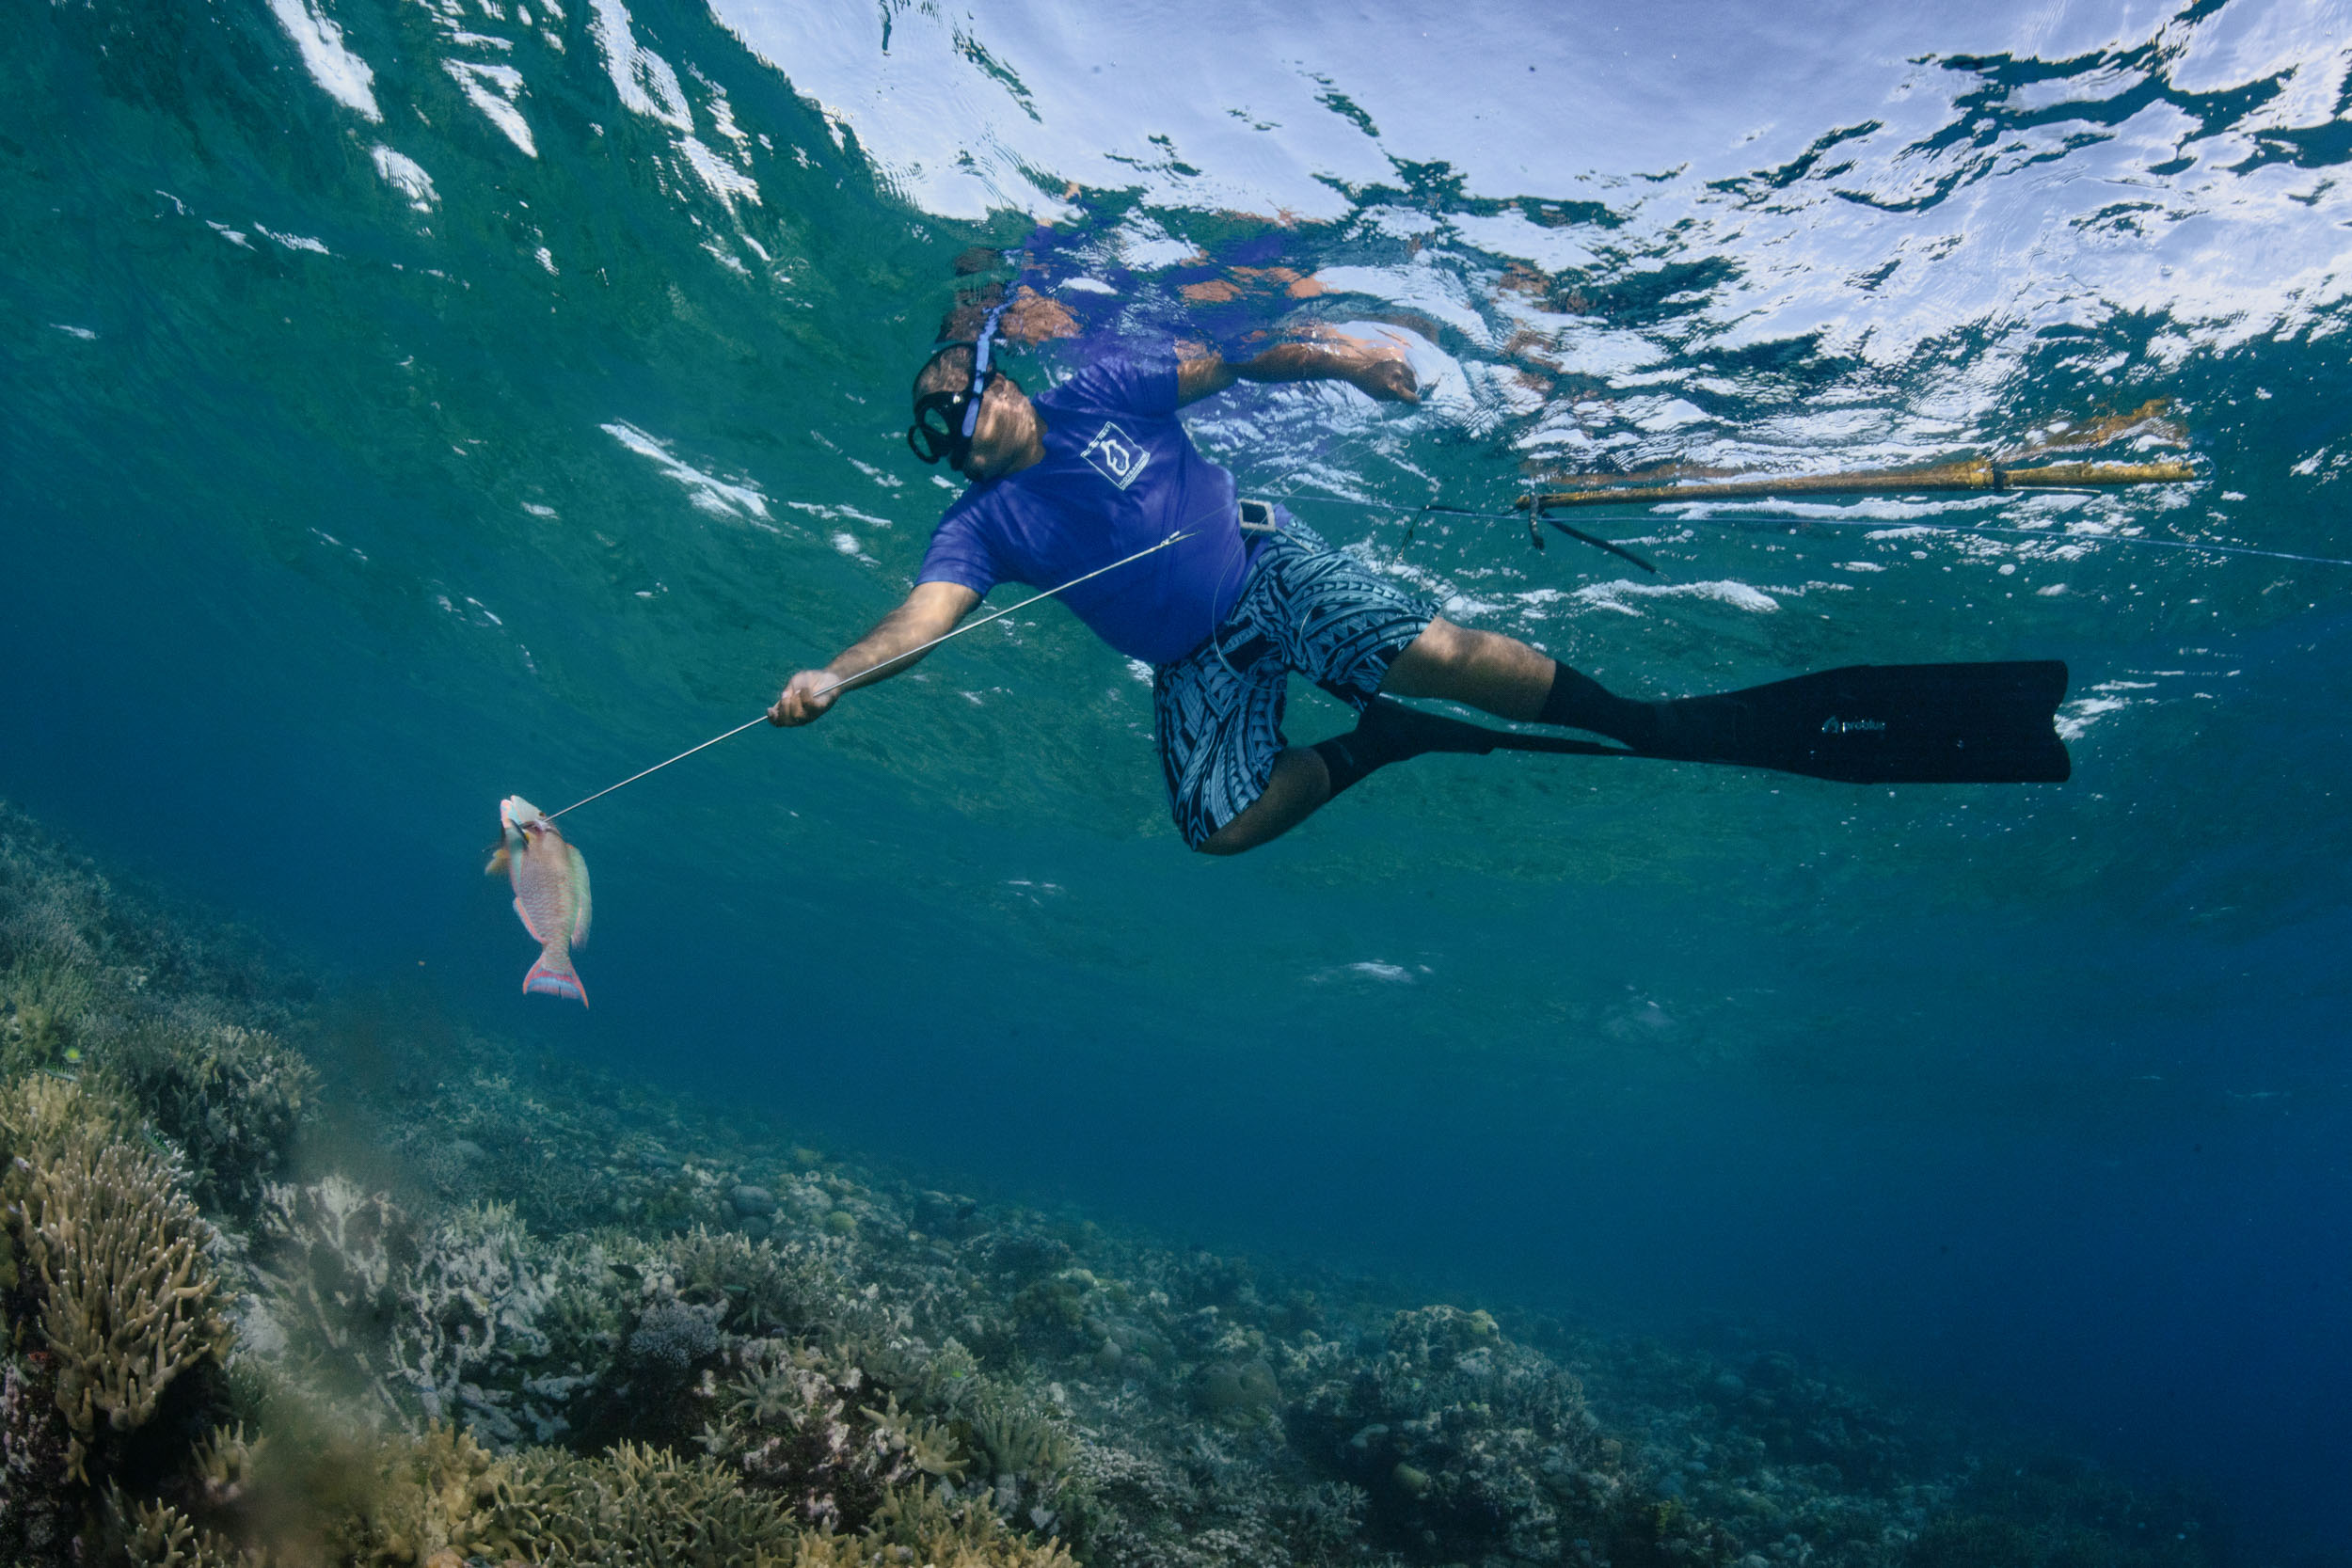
point(410, 404)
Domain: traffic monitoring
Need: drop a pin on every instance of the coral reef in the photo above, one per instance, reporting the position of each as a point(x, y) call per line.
point(642, 1505)
point(417, 1499)
point(232, 1098)
point(82, 962)
point(37, 1516)
point(468, 1342)
point(157, 1535)
point(671, 1337)
point(470, 1320)
point(118, 1256)
point(334, 1252)
point(794, 1422)
point(757, 1287)
point(521, 1313)
point(1458, 1433)
point(919, 1526)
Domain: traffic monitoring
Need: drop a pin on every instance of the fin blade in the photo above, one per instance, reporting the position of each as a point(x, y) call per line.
point(554, 982)
point(1990, 722)
point(528, 925)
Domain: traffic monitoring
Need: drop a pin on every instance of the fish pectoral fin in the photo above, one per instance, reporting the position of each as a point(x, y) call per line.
point(528, 924)
point(500, 859)
point(580, 895)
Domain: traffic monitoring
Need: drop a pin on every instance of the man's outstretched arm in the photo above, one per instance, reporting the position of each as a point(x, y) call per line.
point(929, 613)
point(1377, 369)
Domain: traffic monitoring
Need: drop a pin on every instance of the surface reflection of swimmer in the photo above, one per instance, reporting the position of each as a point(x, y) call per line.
point(1101, 467)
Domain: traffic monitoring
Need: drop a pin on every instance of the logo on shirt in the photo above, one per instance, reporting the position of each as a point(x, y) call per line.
point(1115, 456)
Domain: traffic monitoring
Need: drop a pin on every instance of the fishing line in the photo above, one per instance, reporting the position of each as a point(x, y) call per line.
point(895, 658)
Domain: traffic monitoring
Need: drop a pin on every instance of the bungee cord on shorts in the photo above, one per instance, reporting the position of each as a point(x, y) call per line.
point(895, 658)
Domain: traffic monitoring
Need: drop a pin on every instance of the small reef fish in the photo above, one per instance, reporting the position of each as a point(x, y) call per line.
point(550, 882)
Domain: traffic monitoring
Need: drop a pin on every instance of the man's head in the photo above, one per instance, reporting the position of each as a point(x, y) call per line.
point(968, 412)
point(949, 370)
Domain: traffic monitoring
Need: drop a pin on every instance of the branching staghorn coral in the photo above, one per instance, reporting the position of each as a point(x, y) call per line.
point(450, 1322)
point(157, 1535)
point(128, 1295)
point(226, 1464)
point(918, 1526)
point(231, 1097)
point(36, 1114)
point(641, 1506)
point(473, 1339)
point(839, 1427)
point(414, 1498)
point(757, 1285)
point(335, 1252)
point(32, 1037)
point(929, 1446)
point(1027, 1446)
point(41, 1110)
point(470, 1307)
point(792, 1420)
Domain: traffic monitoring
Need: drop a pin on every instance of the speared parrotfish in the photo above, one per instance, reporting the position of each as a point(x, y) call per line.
point(550, 882)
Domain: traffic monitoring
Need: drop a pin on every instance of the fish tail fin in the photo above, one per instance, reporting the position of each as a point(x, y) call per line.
point(551, 981)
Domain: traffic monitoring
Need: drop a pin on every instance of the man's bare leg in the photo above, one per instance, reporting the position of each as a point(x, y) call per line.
point(1299, 785)
point(1494, 674)
point(1497, 675)
point(1505, 677)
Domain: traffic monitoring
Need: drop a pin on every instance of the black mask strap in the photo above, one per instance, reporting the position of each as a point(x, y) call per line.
point(945, 422)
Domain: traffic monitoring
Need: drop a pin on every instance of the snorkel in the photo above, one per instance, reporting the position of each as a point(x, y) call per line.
point(945, 422)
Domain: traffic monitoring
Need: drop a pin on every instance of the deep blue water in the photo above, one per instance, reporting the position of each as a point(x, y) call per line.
point(335, 504)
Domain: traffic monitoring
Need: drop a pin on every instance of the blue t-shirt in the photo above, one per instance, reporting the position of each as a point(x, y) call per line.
point(1119, 475)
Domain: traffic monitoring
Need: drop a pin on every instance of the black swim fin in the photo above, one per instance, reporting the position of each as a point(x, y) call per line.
point(1883, 723)
point(1865, 723)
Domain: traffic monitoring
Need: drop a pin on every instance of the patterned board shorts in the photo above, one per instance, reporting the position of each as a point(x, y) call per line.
point(1218, 711)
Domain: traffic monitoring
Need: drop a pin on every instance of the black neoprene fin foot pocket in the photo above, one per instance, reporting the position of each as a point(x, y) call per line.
point(1884, 724)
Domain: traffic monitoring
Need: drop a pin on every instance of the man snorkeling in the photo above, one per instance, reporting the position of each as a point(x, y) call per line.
point(1233, 595)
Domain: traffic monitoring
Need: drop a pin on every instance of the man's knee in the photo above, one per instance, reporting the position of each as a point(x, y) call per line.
point(1239, 833)
point(1230, 837)
point(1443, 645)
point(1440, 643)
point(1441, 651)
point(1298, 784)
